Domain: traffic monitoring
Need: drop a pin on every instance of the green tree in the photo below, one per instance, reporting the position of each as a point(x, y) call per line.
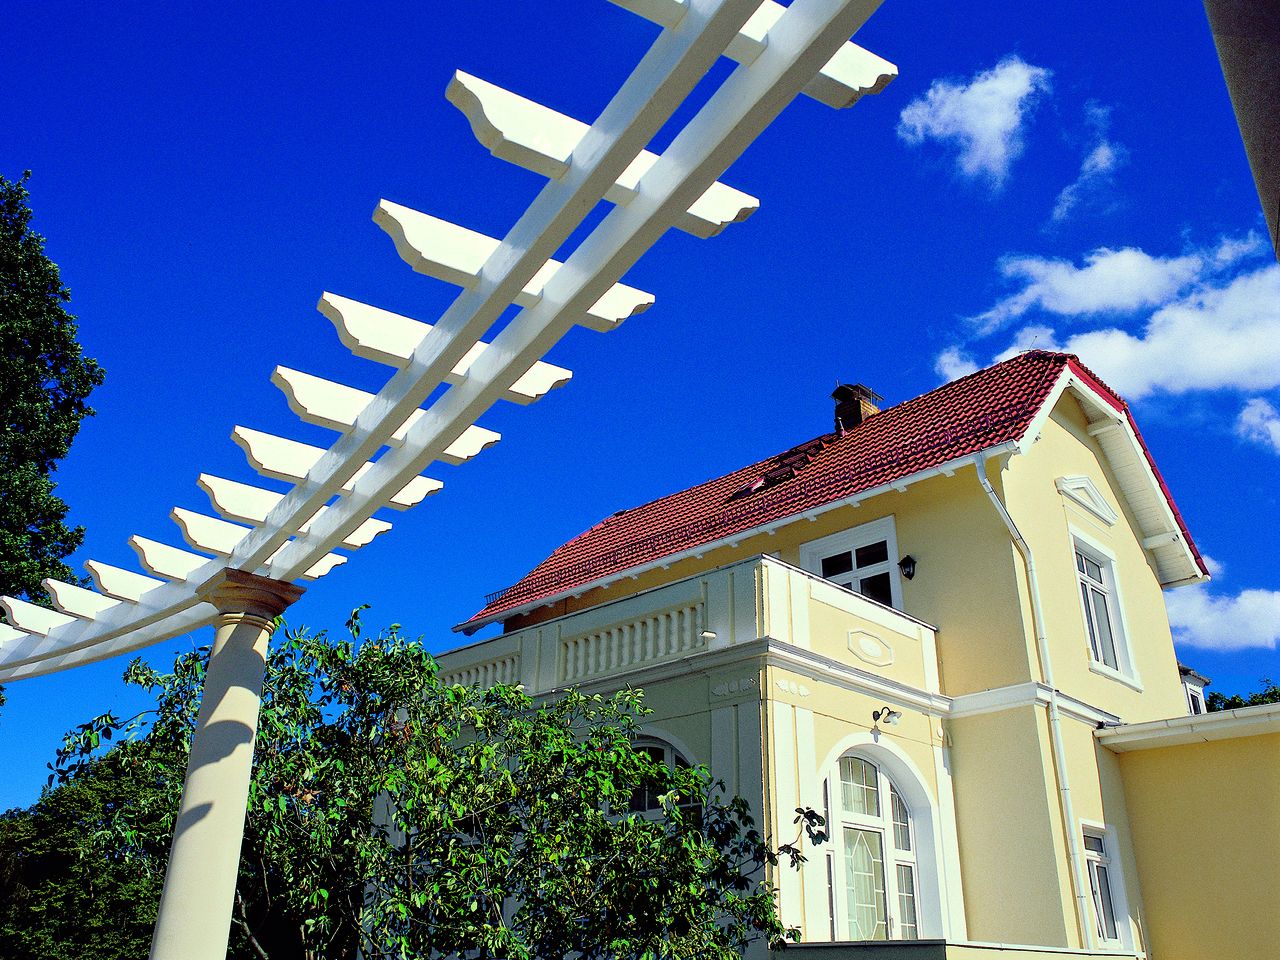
point(44, 383)
point(1269, 692)
point(404, 817)
point(56, 901)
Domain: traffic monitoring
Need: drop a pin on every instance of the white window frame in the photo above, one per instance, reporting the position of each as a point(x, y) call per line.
point(670, 756)
point(1115, 882)
point(813, 552)
point(838, 819)
point(1195, 696)
point(1126, 671)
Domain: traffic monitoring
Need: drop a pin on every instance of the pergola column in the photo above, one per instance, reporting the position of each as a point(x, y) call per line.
point(200, 881)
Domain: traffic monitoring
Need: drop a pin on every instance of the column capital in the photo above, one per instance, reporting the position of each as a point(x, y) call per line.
point(237, 591)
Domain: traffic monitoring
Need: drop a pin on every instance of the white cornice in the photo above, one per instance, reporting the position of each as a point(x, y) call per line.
point(1031, 693)
point(1197, 728)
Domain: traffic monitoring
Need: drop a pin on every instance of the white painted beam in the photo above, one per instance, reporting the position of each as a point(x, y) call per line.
point(8, 634)
point(77, 601)
point(327, 403)
point(220, 537)
point(807, 35)
point(389, 338)
point(456, 255)
point(32, 619)
point(849, 75)
point(119, 583)
point(283, 459)
point(249, 504)
point(538, 138)
point(164, 560)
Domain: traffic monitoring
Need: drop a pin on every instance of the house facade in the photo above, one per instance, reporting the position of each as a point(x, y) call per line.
point(942, 625)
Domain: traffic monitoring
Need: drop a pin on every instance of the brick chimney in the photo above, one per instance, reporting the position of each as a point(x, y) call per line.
point(854, 403)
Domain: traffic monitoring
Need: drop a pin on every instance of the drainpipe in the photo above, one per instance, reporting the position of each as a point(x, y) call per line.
point(1055, 719)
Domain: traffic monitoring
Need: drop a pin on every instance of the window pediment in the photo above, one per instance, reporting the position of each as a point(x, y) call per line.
point(1085, 492)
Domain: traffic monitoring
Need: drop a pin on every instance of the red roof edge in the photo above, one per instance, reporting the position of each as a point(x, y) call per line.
point(1090, 379)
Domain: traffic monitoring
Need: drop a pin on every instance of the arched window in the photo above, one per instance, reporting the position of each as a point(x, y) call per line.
point(645, 799)
point(875, 883)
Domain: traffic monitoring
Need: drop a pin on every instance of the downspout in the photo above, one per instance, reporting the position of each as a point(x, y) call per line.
point(1055, 718)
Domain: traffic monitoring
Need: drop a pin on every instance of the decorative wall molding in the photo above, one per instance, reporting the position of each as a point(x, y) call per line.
point(1085, 492)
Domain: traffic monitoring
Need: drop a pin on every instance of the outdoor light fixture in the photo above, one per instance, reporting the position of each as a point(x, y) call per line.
point(908, 566)
point(889, 715)
point(708, 635)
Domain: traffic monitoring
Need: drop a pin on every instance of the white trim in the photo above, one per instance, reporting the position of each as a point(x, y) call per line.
point(1198, 728)
point(1121, 915)
point(1126, 671)
point(864, 534)
point(1031, 693)
point(932, 921)
point(1084, 492)
point(946, 469)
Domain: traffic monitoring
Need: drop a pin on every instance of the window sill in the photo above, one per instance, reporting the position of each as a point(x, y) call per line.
point(1104, 671)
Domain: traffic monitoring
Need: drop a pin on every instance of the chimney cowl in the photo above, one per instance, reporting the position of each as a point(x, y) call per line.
point(854, 403)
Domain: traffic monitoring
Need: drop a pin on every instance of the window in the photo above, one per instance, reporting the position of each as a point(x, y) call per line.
point(874, 889)
point(646, 800)
point(1100, 606)
point(1104, 914)
point(1195, 699)
point(863, 560)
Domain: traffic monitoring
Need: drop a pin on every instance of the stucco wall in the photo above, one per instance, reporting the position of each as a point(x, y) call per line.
point(1206, 833)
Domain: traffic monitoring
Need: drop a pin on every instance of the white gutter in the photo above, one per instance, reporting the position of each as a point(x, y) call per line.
point(944, 469)
point(1055, 718)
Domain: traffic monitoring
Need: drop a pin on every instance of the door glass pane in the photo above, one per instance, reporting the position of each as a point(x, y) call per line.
point(907, 926)
point(864, 884)
point(877, 588)
point(858, 787)
point(872, 553)
point(1102, 623)
point(834, 566)
point(901, 821)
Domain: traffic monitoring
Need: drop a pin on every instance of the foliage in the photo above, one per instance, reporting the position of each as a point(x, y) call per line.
point(396, 814)
point(44, 383)
point(1269, 692)
point(59, 904)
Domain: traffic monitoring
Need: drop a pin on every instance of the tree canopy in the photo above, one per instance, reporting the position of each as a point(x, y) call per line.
point(405, 817)
point(1267, 692)
point(45, 381)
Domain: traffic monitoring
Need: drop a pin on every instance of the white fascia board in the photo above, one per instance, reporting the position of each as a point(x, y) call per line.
point(1031, 693)
point(1115, 420)
point(946, 469)
point(1195, 728)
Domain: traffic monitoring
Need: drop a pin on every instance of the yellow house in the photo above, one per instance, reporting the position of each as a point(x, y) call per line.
point(942, 625)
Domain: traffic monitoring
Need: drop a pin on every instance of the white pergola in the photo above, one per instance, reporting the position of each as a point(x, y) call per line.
point(239, 571)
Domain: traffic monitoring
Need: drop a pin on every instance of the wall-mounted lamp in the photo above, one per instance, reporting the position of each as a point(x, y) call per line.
point(708, 635)
point(908, 566)
point(889, 715)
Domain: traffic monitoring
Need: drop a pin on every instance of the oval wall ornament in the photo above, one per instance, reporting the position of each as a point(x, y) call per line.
point(869, 648)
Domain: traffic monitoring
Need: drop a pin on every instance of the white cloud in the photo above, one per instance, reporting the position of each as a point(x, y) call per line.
point(982, 119)
point(1099, 163)
point(1250, 618)
point(1215, 567)
point(953, 363)
point(1216, 338)
point(1110, 281)
point(1259, 422)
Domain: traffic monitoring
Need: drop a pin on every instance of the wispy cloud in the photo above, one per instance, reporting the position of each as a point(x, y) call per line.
point(982, 118)
point(1259, 422)
point(1215, 338)
point(953, 363)
point(1109, 281)
point(1225, 622)
point(1101, 161)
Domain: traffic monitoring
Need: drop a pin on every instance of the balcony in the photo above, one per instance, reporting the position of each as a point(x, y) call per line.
point(761, 597)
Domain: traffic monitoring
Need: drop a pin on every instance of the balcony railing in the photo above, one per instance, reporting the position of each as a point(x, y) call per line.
point(741, 602)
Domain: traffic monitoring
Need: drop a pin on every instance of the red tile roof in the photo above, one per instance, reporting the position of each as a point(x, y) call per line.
point(974, 413)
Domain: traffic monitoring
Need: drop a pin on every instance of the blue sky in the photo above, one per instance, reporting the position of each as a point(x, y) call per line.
point(1070, 176)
